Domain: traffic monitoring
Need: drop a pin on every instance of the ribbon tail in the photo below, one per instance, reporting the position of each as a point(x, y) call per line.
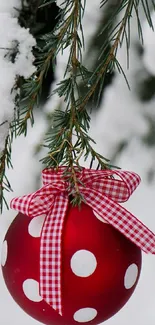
point(50, 254)
point(122, 220)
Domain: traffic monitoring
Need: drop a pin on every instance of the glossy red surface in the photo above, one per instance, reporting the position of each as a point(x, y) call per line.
point(103, 290)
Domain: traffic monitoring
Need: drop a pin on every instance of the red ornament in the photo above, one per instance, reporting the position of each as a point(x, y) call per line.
point(68, 266)
point(100, 268)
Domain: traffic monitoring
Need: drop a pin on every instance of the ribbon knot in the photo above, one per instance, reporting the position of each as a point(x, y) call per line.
point(102, 190)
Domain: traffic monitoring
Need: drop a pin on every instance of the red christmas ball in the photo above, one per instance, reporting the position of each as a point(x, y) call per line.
point(100, 268)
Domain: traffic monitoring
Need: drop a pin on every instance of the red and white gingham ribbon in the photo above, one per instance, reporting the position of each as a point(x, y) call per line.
point(102, 192)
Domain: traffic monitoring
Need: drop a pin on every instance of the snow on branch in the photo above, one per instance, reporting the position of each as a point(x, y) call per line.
point(16, 59)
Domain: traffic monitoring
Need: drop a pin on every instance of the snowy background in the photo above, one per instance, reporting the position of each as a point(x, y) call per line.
point(122, 117)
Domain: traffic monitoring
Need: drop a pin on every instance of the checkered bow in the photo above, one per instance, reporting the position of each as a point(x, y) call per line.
point(102, 192)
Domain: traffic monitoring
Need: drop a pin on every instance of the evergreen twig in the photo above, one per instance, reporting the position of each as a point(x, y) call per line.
point(68, 139)
point(5, 159)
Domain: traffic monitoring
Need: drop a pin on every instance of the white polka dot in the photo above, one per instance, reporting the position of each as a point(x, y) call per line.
point(31, 290)
point(35, 226)
point(99, 217)
point(130, 276)
point(85, 315)
point(4, 252)
point(83, 263)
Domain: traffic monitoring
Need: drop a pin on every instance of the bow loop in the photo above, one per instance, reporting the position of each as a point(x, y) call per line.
point(131, 181)
point(40, 201)
point(22, 203)
point(118, 189)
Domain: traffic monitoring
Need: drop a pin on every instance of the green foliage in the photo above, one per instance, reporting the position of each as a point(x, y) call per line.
point(68, 139)
point(5, 160)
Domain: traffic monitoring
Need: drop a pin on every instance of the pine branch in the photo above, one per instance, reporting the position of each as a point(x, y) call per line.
point(61, 37)
point(110, 60)
point(74, 122)
point(68, 139)
point(5, 159)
